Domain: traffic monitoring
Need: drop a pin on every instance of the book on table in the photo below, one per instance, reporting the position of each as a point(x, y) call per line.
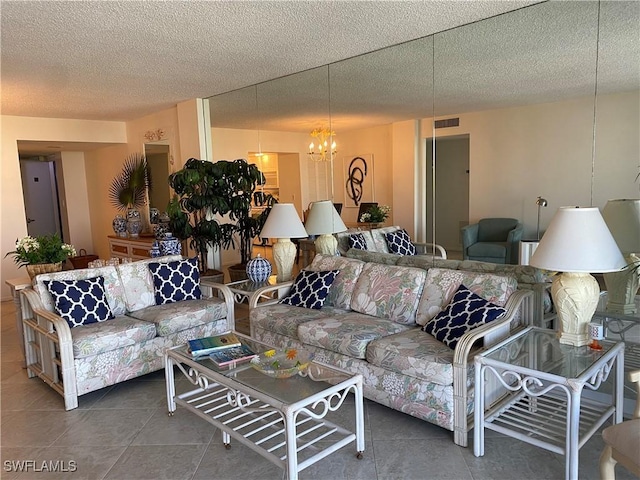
point(225, 357)
point(204, 346)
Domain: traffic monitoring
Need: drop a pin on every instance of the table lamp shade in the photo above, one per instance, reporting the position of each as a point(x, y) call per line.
point(622, 216)
point(577, 243)
point(283, 222)
point(578, 240)
point(323, 218)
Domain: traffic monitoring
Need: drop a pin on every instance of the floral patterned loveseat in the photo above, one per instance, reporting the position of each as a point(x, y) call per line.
point(79, 360)
point(371, 324)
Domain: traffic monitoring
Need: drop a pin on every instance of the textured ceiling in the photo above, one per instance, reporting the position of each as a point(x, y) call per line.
point(120, 60)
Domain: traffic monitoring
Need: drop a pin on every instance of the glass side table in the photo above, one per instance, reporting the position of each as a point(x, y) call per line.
point(530, 387)
point(244, 290)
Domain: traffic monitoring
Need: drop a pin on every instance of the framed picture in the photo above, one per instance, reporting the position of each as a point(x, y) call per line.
point(358, 174)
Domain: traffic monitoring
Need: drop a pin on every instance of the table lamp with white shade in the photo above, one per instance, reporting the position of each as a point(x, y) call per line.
point(577, 243)
point(283, 223)
point(324, 220)
point(622, 216)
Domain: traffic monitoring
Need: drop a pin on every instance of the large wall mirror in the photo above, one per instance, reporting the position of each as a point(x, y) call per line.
point(158, 155)
point(546, 100)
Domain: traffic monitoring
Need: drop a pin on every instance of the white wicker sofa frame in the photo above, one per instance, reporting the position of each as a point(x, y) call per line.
point(447, 404)
point(79, 360)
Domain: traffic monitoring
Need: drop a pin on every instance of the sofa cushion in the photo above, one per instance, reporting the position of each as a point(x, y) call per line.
point(399, 243)
point(112, 286)
point(487, 249)
point(138, 284)
point(379, 239)
point(376, 257)
point(388, 292)
point(107, 336)
point(343, 239)
point(357, 241)
point(341, 290)
point(176, 281)
point(413, 353)
point(80, 302)
point(441, 284)
point(177, 316)
point(347, 333)
point(465, 312)
point(284, 319)
point(310, 289)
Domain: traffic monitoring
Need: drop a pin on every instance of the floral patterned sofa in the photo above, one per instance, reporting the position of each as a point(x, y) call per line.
point(370, 323)
point(79, 360)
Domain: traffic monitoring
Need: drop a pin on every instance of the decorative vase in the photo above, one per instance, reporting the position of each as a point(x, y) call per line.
point(160, 230)
point(258, 269)
point(120, 226)
point(38, 268)
point(134, 222)
point(154, 215)
point(155, 249)
point(170, 245)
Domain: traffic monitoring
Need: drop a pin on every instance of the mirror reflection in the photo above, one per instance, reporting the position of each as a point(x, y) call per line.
point(158, 158)
point(542, 101)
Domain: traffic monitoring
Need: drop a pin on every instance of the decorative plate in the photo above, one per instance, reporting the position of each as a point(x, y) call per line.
point(282, 363)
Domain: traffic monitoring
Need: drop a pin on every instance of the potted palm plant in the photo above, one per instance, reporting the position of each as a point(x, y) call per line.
point(212, 206)
point(128, 190)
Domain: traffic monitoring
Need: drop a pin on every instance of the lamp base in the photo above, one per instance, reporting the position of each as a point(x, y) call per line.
point(622, 288)
point(575, 296)
point(284, 256)
point(326, 244)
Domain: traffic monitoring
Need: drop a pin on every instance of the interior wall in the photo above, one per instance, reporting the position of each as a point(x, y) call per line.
point(378, 142)
point(37, 129)
point(75, 199)
point(518, 154)
point(405, 168)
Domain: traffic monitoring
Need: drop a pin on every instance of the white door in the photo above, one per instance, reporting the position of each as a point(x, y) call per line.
point(40, 197)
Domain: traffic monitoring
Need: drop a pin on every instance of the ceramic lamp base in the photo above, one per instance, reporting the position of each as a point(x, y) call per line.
point(326, 244)
point(284, 256)
point(575, 296)
point(622, 288)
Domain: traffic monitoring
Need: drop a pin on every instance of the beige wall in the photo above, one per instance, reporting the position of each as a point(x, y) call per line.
point(40, 129)
point(75, 189)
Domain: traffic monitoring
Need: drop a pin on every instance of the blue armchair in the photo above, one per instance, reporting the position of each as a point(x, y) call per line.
point(493, 240)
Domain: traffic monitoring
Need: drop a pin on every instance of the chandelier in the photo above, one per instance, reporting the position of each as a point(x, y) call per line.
point(323, 147)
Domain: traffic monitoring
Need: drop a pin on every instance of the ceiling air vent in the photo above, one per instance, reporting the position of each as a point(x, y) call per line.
point(448, 122)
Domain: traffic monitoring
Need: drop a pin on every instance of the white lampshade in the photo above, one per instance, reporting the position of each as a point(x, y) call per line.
point(283, 222)
point(578, 240)
point(622, 216)
point(323, 218)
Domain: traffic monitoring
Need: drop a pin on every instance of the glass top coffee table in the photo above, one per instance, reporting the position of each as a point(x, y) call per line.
point(282, 419)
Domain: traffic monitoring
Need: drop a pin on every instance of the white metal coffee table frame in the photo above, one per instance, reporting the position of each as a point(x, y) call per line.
point(539, 399)
point(222, 401)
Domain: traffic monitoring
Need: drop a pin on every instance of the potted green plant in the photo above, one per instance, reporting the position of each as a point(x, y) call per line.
point(212, 206)
point(42, 254)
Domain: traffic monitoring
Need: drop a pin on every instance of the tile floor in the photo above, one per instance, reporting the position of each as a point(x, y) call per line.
point(123, 432)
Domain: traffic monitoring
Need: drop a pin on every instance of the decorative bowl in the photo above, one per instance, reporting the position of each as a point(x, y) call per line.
point(284, 363)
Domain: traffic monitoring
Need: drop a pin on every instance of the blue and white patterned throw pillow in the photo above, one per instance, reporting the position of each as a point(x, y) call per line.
point(310, 289)
point(80, 302)
point(176, 281)
point(399, 242)
point(465, 312)
point(357, 241)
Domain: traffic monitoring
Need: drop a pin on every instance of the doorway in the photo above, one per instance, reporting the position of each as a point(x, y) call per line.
point(451, 191)
point(40, 193)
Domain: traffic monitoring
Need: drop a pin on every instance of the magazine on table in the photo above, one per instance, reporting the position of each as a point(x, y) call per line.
point(206, 345)
point(225, 357)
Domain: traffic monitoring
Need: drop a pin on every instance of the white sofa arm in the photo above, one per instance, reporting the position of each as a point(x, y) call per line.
point(267, 292)
point(430, 249)
point(209, 289)
point(519, 312)
point(49, 348)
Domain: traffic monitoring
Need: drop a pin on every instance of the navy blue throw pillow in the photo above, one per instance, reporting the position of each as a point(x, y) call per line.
point(399, 242)
point(176, 281)
point(310, 289)
point(80, 302)
point(465, 312)
point(357, 241)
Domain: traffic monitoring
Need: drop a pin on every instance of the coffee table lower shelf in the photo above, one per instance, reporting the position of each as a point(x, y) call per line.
point(293, 436)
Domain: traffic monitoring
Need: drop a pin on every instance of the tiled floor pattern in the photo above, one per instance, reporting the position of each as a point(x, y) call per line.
point(123, 432)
